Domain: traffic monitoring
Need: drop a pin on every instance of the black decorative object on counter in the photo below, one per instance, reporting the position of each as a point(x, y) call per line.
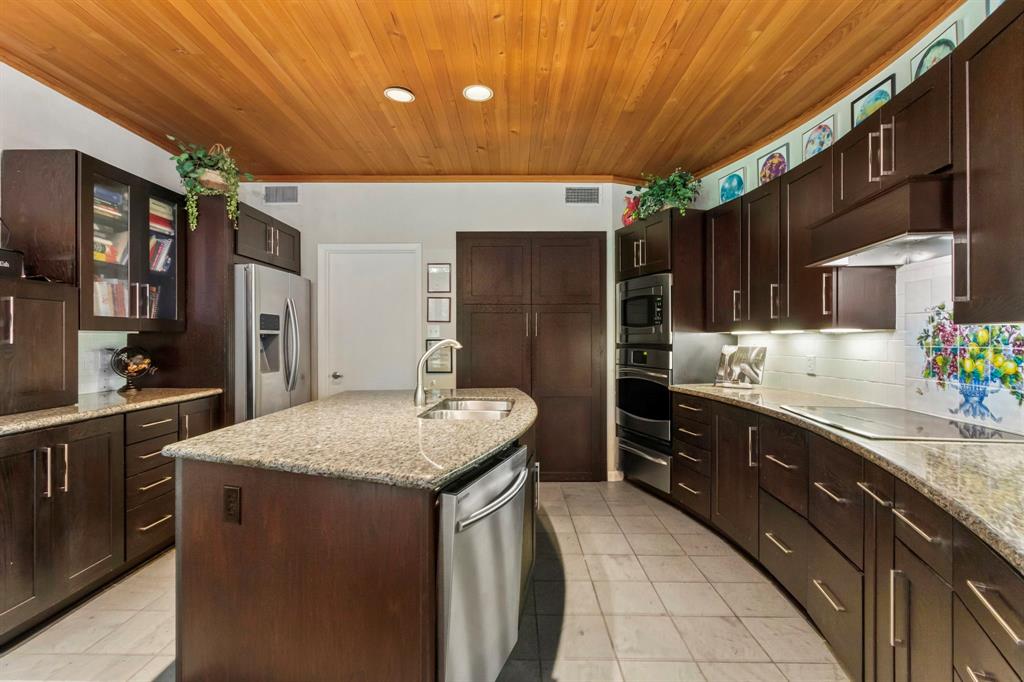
point(131, 363)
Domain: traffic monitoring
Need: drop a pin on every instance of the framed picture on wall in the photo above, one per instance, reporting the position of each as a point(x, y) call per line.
point(441, 361)
point(439, 309)
point(818, 137)
point(773, 164)
point(439, 278)
point(872, 99)
point(933, 52)
point(731, 185)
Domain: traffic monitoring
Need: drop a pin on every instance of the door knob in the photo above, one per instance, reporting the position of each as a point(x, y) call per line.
point(337, 375)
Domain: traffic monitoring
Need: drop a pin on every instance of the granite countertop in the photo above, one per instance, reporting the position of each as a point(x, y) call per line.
point(366, 436)
point(981, 484)
point(93, 405)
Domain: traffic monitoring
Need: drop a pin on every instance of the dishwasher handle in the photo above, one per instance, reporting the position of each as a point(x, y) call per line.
point(495, 505)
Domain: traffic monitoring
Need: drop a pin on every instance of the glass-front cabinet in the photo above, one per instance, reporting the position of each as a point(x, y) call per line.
point(131, 252)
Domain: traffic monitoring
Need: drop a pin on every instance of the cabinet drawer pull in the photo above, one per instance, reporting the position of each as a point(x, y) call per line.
point(9, 300)
point(689, 433)
point(893, 641)
point(165, 519)
point(48, 492)
point(153, 485)
point(825, 311)
point(827, 593)
point(835, 498)
point(687, 407)
point(871, 157)
point(688, 489)
point(913, 526)
point(152, 454)
point(687, 457)
point(778, 543)
point(978, 589)
point(66, 488)
point(873, 495)
point(736, 294)
point(774, 460)
point(157, 423)
point(977, 675)
point(751, 462)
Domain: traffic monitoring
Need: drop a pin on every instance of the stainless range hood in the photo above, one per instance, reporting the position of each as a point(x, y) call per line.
point(908, 222)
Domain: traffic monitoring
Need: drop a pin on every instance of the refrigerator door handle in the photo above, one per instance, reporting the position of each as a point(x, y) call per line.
point(289, 343)
point(293, 320)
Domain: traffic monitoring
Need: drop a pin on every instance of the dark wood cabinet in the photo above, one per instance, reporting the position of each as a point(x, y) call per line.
point(566, 271)
point(974, 655)
point(988, 107)
point(38, 345)
point(88, 502)
point(494, 269)
point(497, 341)
point(567, 383)
point(116, 236)
point(782, 454)
point(878, 489)
point(266, 239)
point(835, 593)
point(836, 503)
point(914, 130)
point(922, 620)
point(734, 499)
point(855, 164)
point(197, 417)
point(645, 248)
point(784, 545)
point(763, 263)
point(725, 273)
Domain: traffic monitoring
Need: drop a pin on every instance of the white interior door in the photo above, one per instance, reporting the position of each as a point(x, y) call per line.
point(370, 321)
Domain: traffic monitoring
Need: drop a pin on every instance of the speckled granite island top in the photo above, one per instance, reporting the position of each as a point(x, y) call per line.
point(980, 484)
point(371, 436)
point(95, 405)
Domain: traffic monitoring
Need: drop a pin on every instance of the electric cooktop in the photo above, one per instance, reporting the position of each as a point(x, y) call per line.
point(892, 423)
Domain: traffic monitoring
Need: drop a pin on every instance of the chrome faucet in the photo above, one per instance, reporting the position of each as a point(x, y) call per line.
point(420, 397)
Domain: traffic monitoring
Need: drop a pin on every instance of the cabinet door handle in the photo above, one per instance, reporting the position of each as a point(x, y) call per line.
point(778, 543)
point(913, 526)
point(827, 593)
point(636, 256)
point(775, 460)
point(157, 423)
point(881, 147)
point(978, 589)
point(643, 252)
point(966, 240)
point(536, 488)
point(893, 641)
point(736, 295)
point(688, 489)
point(687, 457)
point(66, 488)
point(871, 157)
point(643, 455)
point(689, 433)
point(835, 498)
point(825, 310)
point(773, 290)
point(48, 491)
point(269, 240)
point(751, 462)
point(163, 480)
point(536, 324)
point(527, 317)
point(873, 495)
point(165, 519)
point(977, 675)
point(9, 335)
point(687, 407)
point(186, 426)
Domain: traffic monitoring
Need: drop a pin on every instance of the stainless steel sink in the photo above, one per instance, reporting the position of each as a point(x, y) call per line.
point(469, 409)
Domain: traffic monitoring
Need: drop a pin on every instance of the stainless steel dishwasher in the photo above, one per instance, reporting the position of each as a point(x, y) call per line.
point(480, 557)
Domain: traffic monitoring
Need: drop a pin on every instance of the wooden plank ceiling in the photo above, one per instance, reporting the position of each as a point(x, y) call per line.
point(582, 87)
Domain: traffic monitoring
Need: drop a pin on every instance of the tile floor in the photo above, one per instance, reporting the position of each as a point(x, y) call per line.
point(626, 589)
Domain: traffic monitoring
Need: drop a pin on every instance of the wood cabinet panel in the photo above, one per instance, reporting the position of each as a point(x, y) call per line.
point(689, 273)
point(855, 164)
point(150, 423)
point(149, 485)
point(725, 257)
point(691, 489)
point(922, 620)
point(915, 128)
point(693, 432)
point(494, 270)
point(628, 241)
point(836, 503)
point(656, 248)
point(835, 603)
point(287, 247)
point(735, 488)
point(689, 407)
point(974, 654)
point(197, 417)
point(784, 545)
point(145, 455)
point(149, 526)
point(878, 487)
point(697, 459)
point(782, 450)
point(567, 270)
point(764, 255)
point(38, 345)
point(925, 529)
point(988, 106)
point(497, 344)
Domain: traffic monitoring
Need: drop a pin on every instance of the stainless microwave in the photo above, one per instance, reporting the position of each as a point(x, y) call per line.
point(644, 310)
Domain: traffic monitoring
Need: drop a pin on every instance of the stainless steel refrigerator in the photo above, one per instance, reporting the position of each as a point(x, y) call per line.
point(272, 341)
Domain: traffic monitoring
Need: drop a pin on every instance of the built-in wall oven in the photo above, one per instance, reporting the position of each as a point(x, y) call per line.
point(644, 310)
point(643, 414)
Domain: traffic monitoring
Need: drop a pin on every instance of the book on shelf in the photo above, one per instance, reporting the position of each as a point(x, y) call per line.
point(154, 301)
point(158, 208)
point(110, 297)
point(160, 254)
point(107, 195)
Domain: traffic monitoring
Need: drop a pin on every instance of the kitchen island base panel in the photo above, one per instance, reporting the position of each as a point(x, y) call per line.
point(322, 579)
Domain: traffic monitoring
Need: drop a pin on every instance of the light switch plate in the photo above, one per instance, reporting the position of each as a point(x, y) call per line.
point(433, 331)
point(812, 365)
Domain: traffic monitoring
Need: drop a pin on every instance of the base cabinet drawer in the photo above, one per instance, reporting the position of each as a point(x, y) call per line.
point(692, 432)
point(688, 407)
point(783, 459)
point(925, 529)
point(148, 485)
point(694, 458)
point(146, 424)
point(836, 503)
point(975, 657)
point(146, 455)
point(783, 548)
point(149, 526)
point(692, 490)
point(835, 591)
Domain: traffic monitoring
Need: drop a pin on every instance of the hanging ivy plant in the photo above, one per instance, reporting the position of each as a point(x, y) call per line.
point(677, 190)
point(210, 172)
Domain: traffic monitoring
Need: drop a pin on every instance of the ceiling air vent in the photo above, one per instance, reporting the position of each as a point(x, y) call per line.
point(281, 194)
point(582, 195)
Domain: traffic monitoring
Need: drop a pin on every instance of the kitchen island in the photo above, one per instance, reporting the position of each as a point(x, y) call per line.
point(308, 539)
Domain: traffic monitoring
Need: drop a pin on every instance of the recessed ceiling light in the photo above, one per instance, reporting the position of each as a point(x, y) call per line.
point(477, 93)
point(396, 94)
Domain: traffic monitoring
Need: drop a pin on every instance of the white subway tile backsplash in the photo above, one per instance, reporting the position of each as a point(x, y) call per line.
point(94, 351)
